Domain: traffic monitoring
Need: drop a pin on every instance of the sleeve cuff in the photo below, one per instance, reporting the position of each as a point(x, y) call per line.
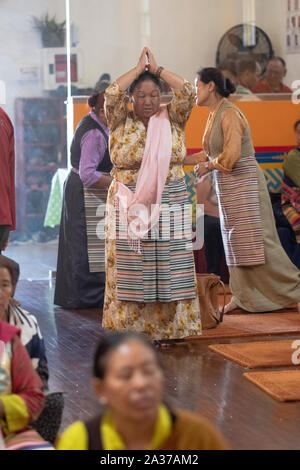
point(220, 167)
point(186, 91)
point(90, 180)
point(16, 413)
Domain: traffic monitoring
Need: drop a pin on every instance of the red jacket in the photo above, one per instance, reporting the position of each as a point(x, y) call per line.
point(25, 381)
point(263, 87)
point(7, 172)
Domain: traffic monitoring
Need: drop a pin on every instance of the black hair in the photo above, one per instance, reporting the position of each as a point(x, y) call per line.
point(224, 86)
point(143, 77)
point(110, 342)
point(93, 99)
point(5, 263)
point(296, 124)
point(103, 83)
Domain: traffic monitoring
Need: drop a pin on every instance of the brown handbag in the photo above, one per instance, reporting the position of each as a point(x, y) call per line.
point(208, 293)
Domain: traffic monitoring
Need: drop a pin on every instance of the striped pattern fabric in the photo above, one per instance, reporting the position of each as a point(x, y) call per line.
point(294, 219)
point(291, 207)
point(26, 440)
point(95, 203)
point(164, 271)
point(240, 218)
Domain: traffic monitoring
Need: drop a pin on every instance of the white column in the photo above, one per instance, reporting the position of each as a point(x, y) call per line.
point(249, 19)
point(145, 23)
point(69, 95)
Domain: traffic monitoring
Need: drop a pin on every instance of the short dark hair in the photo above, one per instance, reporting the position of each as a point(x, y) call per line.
point(245, 65)
point(111, 341)
point(143, 77)
point(5, 263)
point(223, 85)
point(280, 59)
point(296, 124)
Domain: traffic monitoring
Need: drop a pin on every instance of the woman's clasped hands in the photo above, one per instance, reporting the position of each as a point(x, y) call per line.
point(147, 62)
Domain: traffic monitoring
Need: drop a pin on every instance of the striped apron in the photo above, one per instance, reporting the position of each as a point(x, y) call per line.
point(95, 207)
point(238, 195)
point(164, 271)
point(240, 219)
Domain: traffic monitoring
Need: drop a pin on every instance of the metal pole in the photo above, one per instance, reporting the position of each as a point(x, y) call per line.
point(69, 93)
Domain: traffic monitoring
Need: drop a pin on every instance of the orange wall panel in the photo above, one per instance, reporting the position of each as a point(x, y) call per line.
point(271, 122)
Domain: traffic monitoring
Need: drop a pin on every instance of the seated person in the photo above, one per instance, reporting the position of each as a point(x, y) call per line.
point(289, 229)
point(272, 81)
point(4, 241)
point(213, 243)
point(21, 395)
point(248, 72)
point(33, 341)
point(128, 382)
point(31, 338)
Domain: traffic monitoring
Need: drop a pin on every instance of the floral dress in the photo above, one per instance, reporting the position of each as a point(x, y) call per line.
point(153, 292)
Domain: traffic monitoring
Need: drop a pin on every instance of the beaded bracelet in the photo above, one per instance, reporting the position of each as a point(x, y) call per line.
point(159, 71)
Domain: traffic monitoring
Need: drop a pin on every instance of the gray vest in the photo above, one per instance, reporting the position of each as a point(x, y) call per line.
point(216, 139)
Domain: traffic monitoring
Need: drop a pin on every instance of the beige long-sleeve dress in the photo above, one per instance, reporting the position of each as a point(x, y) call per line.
point(262, 277)
point(153, 292)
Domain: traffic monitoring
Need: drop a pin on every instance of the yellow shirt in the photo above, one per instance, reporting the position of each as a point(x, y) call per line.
point(76, 436)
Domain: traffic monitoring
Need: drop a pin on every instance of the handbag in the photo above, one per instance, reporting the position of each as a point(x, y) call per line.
point(208, 293)
point(48, 423)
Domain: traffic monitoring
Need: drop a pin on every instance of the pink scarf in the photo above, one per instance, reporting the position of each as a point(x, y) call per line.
point(139, 211)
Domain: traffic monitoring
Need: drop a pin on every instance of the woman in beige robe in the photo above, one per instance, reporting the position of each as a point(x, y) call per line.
point(262, 278)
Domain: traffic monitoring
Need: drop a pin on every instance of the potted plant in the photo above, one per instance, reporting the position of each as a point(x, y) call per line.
point(52, 33)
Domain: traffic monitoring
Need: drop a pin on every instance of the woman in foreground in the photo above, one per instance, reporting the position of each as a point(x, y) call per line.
point(128, 381)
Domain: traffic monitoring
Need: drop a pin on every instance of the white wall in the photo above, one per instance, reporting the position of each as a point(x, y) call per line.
point(109, 35)
point(271, 17)
point(20, 45)
point(184, 36)
point(184, 33)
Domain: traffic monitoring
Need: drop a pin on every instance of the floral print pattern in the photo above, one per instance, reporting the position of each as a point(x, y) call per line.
point(157, 320)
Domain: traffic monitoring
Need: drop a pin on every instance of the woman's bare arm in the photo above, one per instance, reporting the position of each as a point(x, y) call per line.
point(128, 78)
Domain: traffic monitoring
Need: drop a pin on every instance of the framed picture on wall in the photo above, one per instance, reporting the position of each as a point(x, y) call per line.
point(293, 26)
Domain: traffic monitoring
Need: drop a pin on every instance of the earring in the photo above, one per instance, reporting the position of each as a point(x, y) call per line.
point(103, 401)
